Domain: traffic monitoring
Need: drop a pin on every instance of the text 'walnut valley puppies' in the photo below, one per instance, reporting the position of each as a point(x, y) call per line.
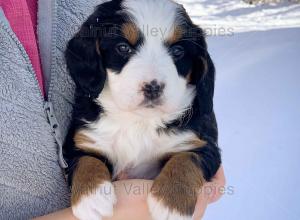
point(143, 108)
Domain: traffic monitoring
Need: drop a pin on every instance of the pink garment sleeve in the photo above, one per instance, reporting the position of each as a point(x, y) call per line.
point(22, 16)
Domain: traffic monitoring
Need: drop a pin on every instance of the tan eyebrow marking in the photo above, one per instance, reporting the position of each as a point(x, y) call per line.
point(176, 35)
point(130, 32)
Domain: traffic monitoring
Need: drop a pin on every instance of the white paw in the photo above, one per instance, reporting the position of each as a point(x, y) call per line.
point(96, 205)
point(160, 212)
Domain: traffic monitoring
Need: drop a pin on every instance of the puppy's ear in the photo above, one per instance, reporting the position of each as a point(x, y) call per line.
point(84, 61)
point(203, 75)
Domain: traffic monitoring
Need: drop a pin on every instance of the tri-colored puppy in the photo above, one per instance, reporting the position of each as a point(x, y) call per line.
point(143, 108)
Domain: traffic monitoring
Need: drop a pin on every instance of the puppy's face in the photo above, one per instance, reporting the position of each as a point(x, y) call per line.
point(141, 69)
point(150, 52)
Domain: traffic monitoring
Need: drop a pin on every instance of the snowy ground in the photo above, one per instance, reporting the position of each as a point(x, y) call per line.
point(242, 17)
point(257, 103)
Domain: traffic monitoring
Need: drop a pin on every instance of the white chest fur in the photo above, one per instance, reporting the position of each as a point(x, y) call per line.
point(131, 143)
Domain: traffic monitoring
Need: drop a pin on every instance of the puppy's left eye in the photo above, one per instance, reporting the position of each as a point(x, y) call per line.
point(124, 49)
point(177, 52)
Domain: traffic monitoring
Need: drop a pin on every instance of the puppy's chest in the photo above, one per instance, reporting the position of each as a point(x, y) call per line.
point(135, 146)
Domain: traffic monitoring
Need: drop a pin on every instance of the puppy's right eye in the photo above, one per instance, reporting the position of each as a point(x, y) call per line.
point(177, 52)
point(124, 49)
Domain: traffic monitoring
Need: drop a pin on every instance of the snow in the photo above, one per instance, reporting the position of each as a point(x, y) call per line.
point(257, 103)
point(241, 16)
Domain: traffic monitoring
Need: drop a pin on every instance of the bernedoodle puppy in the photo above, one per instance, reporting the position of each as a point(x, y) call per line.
point(143, 108)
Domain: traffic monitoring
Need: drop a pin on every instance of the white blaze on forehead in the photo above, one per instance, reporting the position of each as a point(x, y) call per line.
point(155, 18)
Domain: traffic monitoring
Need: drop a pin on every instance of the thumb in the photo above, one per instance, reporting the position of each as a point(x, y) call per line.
point(201, 205)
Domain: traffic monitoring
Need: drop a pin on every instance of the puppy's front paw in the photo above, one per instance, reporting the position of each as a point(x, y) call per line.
point(160, 210)
point(172, 203)
point(99, 203)
point(175, 190)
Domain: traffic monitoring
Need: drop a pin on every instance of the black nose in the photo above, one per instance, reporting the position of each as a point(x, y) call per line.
point(153, 90)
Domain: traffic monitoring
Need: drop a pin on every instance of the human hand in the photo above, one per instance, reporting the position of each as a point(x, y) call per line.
point(211, 192)
point(132, 197)
point(132, 200)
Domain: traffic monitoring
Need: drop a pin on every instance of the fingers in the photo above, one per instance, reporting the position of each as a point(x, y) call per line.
point(132, 190)
point(127, 194)
point(132, 197)
point(217, 185)
point(202, 202)
point(210, 193)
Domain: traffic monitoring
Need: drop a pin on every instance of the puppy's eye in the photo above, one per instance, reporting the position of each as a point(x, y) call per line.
point(177, 52)
point(124, 49)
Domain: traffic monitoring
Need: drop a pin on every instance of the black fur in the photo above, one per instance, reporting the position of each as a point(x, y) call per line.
point(202, 121)
point(87, 67)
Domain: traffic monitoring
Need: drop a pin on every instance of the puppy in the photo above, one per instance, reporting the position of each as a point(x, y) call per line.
point(143, 108)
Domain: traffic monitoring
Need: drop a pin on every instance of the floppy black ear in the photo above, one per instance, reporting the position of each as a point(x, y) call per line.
point(204, 72)
point(84, 62)
point(83, 55)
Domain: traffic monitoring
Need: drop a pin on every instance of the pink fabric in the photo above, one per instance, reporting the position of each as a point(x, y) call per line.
point(22, 16)
point(32, 6)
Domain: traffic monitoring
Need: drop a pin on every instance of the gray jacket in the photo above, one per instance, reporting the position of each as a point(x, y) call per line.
point(32, 129)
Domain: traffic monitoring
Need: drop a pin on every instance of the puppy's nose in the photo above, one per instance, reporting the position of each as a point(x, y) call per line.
point(153, 90)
